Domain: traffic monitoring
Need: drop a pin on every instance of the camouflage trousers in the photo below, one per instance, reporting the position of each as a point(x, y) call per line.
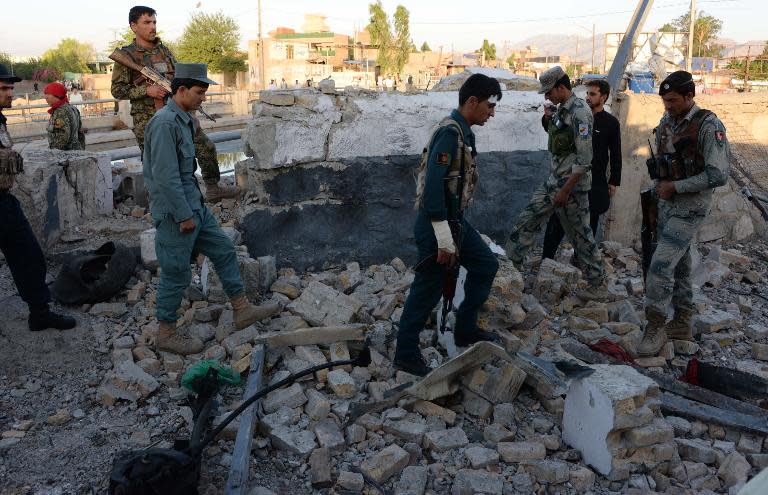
point(669, 276)
point(574, 218)
point(205, 149)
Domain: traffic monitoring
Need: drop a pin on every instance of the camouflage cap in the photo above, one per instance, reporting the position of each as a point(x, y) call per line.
point(549, 78)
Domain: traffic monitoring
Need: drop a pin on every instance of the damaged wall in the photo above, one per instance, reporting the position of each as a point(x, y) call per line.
point(62, 189)
point(333, 177)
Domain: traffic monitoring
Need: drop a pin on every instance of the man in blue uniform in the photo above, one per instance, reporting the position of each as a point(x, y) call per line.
point(185, 226)
point(446, 181)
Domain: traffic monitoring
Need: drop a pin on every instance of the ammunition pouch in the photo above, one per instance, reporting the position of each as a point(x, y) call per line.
point(686, 161)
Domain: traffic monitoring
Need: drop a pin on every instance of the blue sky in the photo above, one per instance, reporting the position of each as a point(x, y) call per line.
point(450, 23)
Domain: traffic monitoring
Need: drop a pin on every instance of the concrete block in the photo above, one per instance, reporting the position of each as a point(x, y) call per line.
point(277, 98)
point(696, 450)
point(329, 436)
point(495, 433)
point(292, 397)
point(612, 398)
point(548, 471)
point(301, 442)
point(342, 384)
point(385, 463)
point(472, 482)
point(321, 305)
point(413, 481)
point(445, 440)
point(734, 469)
point(480, 457)
point(427, 409)
point(353, 482)
point(410, 431)
point(521, 451)
point(320, 468)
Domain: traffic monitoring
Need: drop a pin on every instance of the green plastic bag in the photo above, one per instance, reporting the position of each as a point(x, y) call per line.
point(225, 374)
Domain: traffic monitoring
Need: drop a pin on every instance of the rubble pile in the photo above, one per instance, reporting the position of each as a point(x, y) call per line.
point(489, 422)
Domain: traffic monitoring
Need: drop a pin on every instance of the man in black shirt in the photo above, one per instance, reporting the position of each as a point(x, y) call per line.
point(605, 140)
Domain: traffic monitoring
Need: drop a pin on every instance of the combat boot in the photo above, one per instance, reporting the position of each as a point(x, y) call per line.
point(654, 337)
point(248, 314)
point(597, 292)
point(215, 193)
point(413, 364)
point(169, 339)
point(41, 318)
point(680, 326)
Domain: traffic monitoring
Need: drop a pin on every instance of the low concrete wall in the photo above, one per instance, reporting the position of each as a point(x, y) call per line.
point(732, 216)
point(62, 189)
point(334, 176)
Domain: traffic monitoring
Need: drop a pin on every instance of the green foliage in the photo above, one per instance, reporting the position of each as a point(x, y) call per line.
point(487, 51)
point(394, 45)
point(211, 39)
point(512, 61)
point(69, 55)
point(24, 69)
point(425, 47)
point(758, 69)
point(706, 28)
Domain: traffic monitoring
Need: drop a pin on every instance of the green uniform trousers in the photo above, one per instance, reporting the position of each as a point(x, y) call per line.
point(176, 251)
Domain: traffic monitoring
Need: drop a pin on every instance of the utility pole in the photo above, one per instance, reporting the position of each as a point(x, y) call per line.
point(261, 53)
point(691, 23)
point(576, 59)
point(746, 69)
point(593, 48)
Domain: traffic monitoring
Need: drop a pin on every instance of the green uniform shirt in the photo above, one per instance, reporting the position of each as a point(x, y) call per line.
point(572, 157)
point(694, 194)
point(65, 129)
point(123, 87)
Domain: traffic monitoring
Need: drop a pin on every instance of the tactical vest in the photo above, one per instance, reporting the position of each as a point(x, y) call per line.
point(679, 156)
point(74, 117)
point(561, 141)
point(11, 163)
point(463, 170)
point(161, 60)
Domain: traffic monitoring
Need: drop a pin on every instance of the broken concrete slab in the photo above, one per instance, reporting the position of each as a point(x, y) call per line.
point(313, 336)
point(321, 305)
point(385, 463)
point(445, 440)
point(472, 481)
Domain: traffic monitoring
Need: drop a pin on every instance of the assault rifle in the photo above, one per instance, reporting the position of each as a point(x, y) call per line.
point(149, 75)
point(753, 198)
point(649, 204)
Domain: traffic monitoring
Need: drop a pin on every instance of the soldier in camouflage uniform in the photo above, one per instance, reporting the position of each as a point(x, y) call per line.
point(65, 128)
point(17, 241)
point(148, 50)
point(693, 159)
point(565, 191)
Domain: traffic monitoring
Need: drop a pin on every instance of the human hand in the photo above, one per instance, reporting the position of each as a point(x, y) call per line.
point(611, 190)
point(156, 91)
point(446, 258)
point(561, 197)
point(187, 226)
point(666, 189)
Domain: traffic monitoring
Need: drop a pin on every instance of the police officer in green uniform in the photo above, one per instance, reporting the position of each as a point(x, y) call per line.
point(65, 127)
point(148, 50)
point(445, 185)
point(566, 190)
point(17, 241)
point(692, 159)
point(185, 226)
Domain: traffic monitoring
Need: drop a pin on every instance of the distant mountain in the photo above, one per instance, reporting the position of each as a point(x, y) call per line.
point(734, 49)
point(562, 44)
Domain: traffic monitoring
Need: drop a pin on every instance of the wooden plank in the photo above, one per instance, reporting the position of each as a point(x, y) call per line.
point(312, 336)
point(237, 483)
point(680, 406)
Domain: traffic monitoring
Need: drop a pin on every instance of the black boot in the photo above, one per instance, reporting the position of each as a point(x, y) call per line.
point(413, 364)
point(466, 339)
point(43, 318)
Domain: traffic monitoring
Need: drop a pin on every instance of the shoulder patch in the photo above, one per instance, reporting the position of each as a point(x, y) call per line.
point(443, 158)
point(720, 137)
point(583, 130)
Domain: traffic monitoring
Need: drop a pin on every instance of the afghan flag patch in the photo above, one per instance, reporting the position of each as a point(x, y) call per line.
point(720, 137)
point(584, 130)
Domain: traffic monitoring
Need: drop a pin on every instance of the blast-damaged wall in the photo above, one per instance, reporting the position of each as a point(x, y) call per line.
point(332, 178)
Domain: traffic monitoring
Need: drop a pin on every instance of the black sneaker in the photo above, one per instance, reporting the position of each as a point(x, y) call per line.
point(414, 365)
point(467, 339)
point(48, 319)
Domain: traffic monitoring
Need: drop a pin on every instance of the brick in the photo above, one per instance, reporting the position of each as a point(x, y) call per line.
point(385, 463)
point(472, 482)
point(445, 440)
point(521, 451)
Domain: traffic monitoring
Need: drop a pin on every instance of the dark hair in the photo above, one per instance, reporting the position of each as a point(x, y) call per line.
point(602, 85)
point(187, 83)
point(565, 81)
point(136, 12)
point(480, 86)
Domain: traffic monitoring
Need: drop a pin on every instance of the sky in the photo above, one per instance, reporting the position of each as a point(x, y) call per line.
point(447, 23)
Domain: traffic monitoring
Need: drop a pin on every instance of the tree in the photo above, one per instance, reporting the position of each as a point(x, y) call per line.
point(705, 31)
point(425, 47)
point(69, 55)
point(487, 51)
point(393, 46)
point(127, 37)
point(211, 39)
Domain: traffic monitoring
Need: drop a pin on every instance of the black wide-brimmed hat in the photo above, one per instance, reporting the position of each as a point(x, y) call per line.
point(6, 76)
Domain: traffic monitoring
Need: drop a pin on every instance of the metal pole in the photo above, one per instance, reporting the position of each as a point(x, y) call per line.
point(624, 53)
point(262, 79)
point(691, 24)
point(593, 48)
point(746, 69)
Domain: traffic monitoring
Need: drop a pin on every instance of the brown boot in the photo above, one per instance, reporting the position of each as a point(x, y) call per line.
point(595, 293)
point(169, 339)
point(680, 326)
point(215, 193)
point(248, 314)
point(654, 337)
